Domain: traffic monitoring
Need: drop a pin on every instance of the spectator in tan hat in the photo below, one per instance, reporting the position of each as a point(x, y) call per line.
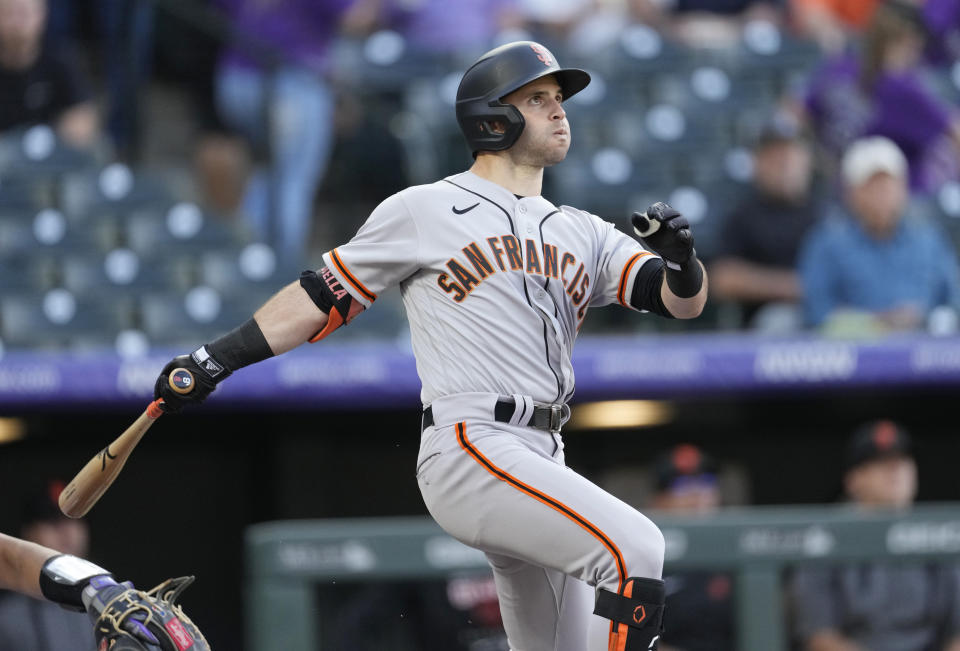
point(878, 268)
point(870, 606)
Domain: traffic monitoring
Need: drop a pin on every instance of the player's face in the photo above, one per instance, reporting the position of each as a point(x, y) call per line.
point(890, 482)
point(65, 536)
point(879, 202)
point(783, 169)
point(546, 135)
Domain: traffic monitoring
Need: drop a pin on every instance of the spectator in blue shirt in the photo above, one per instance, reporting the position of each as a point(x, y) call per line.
point(880, 268)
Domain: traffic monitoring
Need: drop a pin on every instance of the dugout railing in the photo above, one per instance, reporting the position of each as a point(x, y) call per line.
point(285, 561)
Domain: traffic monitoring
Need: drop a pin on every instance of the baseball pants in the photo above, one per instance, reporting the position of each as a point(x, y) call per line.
point(550, 535)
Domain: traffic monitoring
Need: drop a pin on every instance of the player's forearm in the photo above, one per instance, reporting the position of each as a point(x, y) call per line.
point(953, 645)
point(20, 565)
point(289, 319)
point(684, 307)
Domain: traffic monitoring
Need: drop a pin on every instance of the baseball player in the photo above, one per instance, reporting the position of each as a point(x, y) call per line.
point(124, 619)
point(496, 282)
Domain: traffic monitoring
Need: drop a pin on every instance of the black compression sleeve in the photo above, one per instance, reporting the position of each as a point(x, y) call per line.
point(686, 281)
point(646, 289)
point(241, 346)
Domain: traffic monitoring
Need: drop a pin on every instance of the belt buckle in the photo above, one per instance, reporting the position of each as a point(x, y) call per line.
point(556, 418)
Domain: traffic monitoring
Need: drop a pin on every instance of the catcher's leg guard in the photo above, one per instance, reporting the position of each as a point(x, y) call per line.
point(637, 614)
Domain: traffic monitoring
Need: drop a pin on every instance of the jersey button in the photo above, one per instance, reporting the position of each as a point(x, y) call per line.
point(529, 228)
point(541, 293)
point(523, 209)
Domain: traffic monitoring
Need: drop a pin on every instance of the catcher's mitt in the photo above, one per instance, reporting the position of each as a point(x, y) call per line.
point(126, 619)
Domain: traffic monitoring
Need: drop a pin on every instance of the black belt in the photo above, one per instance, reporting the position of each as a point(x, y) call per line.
point(549, 418)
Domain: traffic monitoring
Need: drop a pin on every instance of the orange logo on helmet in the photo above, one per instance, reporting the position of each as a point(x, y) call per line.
point(639, 614)
point(885, 435)
point(542, 54)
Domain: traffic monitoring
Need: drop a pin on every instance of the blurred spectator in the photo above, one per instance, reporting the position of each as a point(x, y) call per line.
point(552, 21)
point(40, 83)
point(27, 624)
point(831, 23)
point(188, 45)
point(705, 23)
point(466, 28)
point(881, 91)
point(699, 603)
point(942, 19)
point(870, 606)
point(124, 33)
point(370, 167)
point(879, 269)
point(756, 264)
point(272, 86)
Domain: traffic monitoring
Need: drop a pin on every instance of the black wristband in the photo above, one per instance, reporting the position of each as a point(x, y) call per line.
point(686, 281)
point(240, 347)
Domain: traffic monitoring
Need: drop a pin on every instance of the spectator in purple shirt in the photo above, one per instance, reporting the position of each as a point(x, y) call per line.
point(880, 269)
point(284, 104)
point(881, 92)
point(942, 19)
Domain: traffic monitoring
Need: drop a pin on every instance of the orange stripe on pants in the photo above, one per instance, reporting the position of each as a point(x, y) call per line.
point(554, 504)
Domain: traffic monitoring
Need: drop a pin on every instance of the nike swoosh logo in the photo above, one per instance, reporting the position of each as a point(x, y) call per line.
point(467, 209)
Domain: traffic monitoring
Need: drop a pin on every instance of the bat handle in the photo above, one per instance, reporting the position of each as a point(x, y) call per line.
point(181, 380)
point(154, 411)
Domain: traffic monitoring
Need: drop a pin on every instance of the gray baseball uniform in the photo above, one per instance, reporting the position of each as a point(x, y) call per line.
point(496, 288)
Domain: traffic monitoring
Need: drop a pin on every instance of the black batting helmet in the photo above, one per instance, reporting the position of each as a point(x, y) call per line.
point(497, 73)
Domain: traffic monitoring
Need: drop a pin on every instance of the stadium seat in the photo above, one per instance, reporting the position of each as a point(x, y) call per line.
point(640, 51)
point(385, 62)
point(50, 231)
point(253, 268)
point(192, 317)
point(606, 182)
point(37, 153)
point(18, 193)
point(60, 319)
point(26, 273)
point(121, 271)
point(114, 187)
point(181, 226)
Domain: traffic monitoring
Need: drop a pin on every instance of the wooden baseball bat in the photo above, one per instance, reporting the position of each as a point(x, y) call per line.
point(96, 477)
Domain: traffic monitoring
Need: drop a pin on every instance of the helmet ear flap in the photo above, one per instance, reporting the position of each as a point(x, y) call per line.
point(479, 124)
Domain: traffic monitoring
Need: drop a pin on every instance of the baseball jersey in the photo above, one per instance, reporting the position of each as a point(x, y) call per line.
point(495, 286)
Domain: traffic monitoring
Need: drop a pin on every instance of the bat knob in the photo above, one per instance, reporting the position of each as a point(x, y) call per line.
point(181, 380)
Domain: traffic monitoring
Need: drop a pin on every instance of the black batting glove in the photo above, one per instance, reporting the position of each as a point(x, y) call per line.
point(666, 232)
point(206, 371)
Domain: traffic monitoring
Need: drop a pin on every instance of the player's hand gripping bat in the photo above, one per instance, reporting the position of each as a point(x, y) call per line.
point(96, 477)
